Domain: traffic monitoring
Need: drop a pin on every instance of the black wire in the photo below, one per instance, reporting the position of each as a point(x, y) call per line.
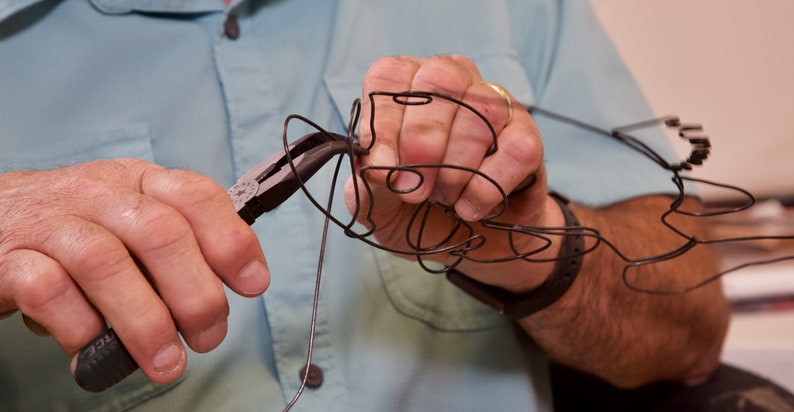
point(700, 151)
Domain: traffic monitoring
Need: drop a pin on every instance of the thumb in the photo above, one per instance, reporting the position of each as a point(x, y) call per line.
point(357, 200)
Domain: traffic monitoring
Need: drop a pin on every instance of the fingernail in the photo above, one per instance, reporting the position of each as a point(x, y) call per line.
point(169, 359)
point(383, 155)
point(408, 182)
point(466, 211)
point(211, 337)
point(254, 278)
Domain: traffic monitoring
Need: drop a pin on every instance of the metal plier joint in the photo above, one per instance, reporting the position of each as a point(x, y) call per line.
point(272, 181)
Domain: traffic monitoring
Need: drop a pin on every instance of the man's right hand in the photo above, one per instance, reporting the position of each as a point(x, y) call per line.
point(70, 238)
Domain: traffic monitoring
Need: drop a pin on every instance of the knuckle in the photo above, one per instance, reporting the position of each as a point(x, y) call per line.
point(201, 310)
point(391, 71)
point(198, 189)
point(162, 228)
point(232, 244)
point(39, 287)
point(494, 111)
point(89, 177)
point(465, 62)
point(97, 257)
point(443, 74)
point(524, 151)
point(178, 185)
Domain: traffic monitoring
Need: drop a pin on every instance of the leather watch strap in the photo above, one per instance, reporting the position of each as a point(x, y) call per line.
point(519, 305)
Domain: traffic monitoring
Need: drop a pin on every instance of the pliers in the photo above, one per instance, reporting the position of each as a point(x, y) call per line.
point(273, 180)
point(105, 361)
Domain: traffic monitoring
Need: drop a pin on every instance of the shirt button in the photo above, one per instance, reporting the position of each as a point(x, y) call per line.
point(231, 27)
point(315, 378)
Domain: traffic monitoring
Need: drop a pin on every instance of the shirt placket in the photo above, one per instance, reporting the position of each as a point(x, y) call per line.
point(254, 123)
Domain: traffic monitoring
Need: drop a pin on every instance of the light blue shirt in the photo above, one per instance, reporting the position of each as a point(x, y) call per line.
point(83, 80)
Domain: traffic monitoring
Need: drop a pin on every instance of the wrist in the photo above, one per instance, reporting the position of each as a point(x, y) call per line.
point(538, 267)
point(522, 275)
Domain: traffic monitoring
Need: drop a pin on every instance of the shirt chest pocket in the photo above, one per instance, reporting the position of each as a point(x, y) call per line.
point(129, 141)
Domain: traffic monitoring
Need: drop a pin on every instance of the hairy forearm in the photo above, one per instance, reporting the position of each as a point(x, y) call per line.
point(603, 327)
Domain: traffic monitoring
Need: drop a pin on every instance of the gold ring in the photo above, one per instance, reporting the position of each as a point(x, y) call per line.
point(502, 91)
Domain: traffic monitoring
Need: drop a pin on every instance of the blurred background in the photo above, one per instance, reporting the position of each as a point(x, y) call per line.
point(729, 65)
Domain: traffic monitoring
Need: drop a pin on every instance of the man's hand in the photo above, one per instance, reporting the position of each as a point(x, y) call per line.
point(447, 133)
point(599, 325)
point(72, 239)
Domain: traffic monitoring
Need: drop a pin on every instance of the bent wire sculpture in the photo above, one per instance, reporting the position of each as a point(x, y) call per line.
point(700, 147)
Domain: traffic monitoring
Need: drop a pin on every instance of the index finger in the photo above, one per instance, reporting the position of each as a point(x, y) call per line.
point(388, 74)
point(229, 245)
point(415, 133)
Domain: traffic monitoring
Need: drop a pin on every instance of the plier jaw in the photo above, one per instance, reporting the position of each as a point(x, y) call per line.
point(273, 180)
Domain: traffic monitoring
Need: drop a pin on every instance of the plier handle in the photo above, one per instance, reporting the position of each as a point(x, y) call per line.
point(273, 180)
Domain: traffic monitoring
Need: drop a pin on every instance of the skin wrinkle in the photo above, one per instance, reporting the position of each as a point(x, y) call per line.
point(99, 255)
point(18, 210)
point(12, 240)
